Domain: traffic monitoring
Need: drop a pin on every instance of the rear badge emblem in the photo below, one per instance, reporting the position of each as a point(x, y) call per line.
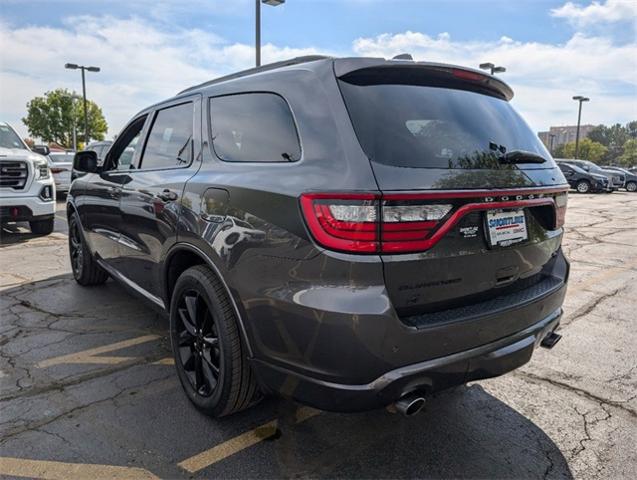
point(469, 232)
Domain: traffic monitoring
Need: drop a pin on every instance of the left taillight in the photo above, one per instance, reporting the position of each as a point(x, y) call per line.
point(347, 222)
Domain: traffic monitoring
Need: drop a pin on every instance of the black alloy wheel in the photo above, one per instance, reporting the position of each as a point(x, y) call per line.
point(76, 249)
point(198, 343)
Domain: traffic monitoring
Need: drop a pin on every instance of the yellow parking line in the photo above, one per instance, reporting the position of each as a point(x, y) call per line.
point(164, 361)
point(240, 442)
point(88, 356)
point(19, 467)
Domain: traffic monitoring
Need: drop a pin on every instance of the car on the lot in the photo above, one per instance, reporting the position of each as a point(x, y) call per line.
point(583, 181)
point(396, 230)
point(630, 183)
point(27, 190)
point(61, 164)
point(616, 179)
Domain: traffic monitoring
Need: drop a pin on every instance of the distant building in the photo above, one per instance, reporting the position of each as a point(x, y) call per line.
point(562, 135)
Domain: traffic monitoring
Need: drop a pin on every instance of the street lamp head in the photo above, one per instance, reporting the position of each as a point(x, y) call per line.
point(93, 69)
point(487, 66)
point(499, 70)
point(273, 3)
point(581, 98)
point(71, 66)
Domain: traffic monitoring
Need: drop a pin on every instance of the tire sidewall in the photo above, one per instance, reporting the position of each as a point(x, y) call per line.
point(75, 223)
point(193, 279)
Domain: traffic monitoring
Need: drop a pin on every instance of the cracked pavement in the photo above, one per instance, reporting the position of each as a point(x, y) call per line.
point(570, 413)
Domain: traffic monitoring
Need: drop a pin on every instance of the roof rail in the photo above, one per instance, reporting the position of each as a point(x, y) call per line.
point(263, 68)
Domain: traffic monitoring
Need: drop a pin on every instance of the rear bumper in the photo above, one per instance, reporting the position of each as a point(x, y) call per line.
point(486, 361)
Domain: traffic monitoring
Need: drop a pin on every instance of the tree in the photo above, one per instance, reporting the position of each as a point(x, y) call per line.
point(629, 157)
point(52, 116)
point(613, 138)
point(588, 150)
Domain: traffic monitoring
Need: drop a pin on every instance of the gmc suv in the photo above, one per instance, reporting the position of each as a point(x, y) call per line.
point(351, 233)
point(27, 190)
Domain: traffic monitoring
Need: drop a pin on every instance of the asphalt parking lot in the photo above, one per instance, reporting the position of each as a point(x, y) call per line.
point(88, 389)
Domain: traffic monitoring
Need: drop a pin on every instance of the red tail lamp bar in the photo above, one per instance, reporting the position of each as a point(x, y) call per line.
point(409, 222)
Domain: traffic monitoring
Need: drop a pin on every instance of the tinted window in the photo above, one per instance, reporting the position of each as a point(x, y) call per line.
point(61, 157)
point(169, 142)
point(425, 126)
point(253, 127)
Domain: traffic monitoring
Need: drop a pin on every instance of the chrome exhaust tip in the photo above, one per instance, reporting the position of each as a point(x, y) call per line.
point(410, 404)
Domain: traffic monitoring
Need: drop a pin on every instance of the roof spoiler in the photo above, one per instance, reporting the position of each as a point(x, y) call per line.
point(344, 67)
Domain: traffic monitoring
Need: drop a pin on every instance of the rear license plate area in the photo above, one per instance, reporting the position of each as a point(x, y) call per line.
point(506, 227)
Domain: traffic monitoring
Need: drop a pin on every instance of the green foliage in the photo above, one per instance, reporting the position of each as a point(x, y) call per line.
point(588, 150)
point(52, 116)
point(613, 138)
point(629, 156)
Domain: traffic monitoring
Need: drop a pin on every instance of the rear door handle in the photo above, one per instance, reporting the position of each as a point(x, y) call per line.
point(167, 195)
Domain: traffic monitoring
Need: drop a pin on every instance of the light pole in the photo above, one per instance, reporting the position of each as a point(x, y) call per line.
point(73, 66)
point(257, 3)
point(581, 100)
point(492, 68)
point(74, 96)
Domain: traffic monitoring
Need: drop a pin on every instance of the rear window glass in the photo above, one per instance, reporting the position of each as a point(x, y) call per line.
point(433, 127)
point(253, 127)
point(61, 157)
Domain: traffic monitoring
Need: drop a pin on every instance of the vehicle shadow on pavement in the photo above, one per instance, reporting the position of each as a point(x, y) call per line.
point(464, 433)
point(137, 405)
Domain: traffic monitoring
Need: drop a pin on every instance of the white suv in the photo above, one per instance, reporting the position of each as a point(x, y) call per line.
point(27, 189)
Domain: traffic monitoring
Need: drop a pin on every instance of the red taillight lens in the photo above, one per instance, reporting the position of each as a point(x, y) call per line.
point(343, 222)
point(406, 225)
point(561, 199)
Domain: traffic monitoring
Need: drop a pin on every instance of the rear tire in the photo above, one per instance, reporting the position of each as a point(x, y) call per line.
point(86, 271)
point(42, 227)
point(583, 186)
point(631, 187)
point(209, 353)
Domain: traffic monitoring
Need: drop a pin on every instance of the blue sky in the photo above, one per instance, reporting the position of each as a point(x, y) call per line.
point(149, 49)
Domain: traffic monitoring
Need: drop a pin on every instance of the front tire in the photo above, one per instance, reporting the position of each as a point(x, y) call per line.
point(42, 227)
point(86, 271)
point(583, 186)
point(631, 187)
point(209, 354)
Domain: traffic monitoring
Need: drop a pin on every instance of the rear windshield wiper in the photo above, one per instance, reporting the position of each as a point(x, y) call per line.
point(521, 156)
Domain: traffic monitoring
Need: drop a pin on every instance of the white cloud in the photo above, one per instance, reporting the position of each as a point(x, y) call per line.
point(143, 63)
point(140, 63)
point(611, 11)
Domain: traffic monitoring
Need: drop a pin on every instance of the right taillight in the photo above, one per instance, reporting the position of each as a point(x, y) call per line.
point(404, 223)
point(561, 199)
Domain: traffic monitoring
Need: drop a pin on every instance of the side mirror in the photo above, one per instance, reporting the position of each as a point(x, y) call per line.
point(85, 162)
point(41, 149)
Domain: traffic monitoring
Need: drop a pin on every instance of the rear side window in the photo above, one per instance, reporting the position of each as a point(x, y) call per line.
point(253, 127)
point(433, 127)
point(169, 142)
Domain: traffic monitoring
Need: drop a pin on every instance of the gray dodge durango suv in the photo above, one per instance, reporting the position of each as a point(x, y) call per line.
point(351, 233)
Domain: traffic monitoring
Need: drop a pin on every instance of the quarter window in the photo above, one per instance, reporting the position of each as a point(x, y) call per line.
point(169, 142)
point(253, 127)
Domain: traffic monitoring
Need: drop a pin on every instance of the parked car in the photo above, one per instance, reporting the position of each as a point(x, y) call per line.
point(27, 191)
point(583, 181)
point(402, 231)
point(616, 179)
point(630, 183)
point(61, 164)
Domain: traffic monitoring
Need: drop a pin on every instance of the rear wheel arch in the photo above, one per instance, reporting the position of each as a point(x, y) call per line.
point(183, 256)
